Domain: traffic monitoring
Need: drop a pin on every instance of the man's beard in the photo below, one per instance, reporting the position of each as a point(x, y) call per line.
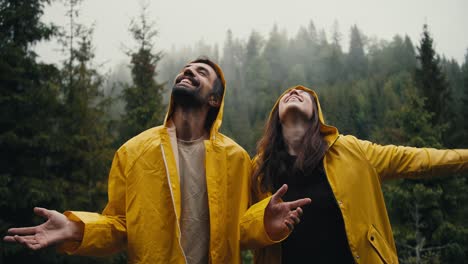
point(187, 97)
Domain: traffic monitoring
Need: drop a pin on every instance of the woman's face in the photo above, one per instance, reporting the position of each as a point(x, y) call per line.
point(295, 102)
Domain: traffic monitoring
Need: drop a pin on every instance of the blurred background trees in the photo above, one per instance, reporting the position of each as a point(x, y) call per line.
point(61, 123)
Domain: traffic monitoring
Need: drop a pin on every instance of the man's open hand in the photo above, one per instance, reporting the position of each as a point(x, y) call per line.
point(56, 229)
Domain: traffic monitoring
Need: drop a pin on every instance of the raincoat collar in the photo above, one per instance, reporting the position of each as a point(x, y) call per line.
point(330, 133)
point(219, 118)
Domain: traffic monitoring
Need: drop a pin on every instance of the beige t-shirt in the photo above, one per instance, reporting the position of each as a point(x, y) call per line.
point(194, 220)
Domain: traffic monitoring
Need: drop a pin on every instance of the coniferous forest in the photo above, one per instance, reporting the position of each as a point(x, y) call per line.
point(62, 122)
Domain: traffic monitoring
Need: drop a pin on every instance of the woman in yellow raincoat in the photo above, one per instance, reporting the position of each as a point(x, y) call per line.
point(346, 222)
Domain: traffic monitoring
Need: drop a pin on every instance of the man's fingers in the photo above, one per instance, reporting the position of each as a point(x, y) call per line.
point(278, 194)
point(22, 231)
point(9, 239)
point(35, 246)
point(42, 212)
point(28, 242)
point(19, 239)
point(299, 203)
point(28, 239)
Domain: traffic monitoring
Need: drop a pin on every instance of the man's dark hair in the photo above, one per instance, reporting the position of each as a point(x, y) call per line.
point(218, 89)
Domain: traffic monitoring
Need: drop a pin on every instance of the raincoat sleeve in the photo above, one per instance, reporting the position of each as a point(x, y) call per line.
point(408, 162)
point(104, 233)
point(252, 227)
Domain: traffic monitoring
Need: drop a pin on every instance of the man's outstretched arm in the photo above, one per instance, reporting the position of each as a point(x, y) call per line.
point(57, 229)
point(83, 233)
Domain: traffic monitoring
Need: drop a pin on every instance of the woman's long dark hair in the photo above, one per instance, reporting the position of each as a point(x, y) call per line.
point(272, 152)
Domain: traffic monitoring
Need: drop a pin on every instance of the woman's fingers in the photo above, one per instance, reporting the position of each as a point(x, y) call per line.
point(289, 224)
point(299, 211)
point(295, 218)
point(276, 198)
point(298, 203)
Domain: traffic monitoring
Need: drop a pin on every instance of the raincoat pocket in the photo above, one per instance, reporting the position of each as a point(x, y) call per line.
point(380, 245)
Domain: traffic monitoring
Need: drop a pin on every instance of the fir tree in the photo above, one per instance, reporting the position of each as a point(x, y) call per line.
point(356, 59)
point(430, 79)
point(85, 145)
point(144, 107)
point(464, 109)
point(274, 54)
point(333, 60)
point(28, 119)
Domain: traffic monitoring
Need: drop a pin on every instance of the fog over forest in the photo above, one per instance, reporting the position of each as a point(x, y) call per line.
point(376, 19)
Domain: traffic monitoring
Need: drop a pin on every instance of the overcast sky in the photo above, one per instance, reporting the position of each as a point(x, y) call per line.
point(183, 22)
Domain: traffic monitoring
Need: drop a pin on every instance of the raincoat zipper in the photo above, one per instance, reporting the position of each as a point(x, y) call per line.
point(173, 203)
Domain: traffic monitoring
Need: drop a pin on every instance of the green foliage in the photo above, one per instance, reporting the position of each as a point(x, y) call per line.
point(144, 107)
point(28, 102)
point(274, 55)
point(356, 59)
point(55, 143)
point(247, 257)
point(463, 121)
point(422, 210)
point(85, 151)
point(387, 59)
point(430, 79)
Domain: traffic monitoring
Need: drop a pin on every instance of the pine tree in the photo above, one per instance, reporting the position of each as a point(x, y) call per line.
point(28, 118)
point(84, 141)
point(274, 54)
point(334, 60)
point(253, 47)
point(233, 61)
point(236, 121)
point(393, 58)
point(356, 59)
point(430, 79)
point(464, 109)
point(143, 98)
point(407, 57)
point(303, 50)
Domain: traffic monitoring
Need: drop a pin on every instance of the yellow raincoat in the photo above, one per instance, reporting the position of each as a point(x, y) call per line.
point(143, 210)
point(355, 169)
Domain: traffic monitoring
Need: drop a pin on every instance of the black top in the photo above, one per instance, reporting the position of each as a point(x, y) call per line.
point(320, 236)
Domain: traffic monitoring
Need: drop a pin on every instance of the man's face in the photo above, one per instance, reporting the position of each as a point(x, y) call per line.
point(194, 85)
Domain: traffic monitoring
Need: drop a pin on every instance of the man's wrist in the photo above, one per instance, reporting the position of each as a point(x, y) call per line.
point(75, 231)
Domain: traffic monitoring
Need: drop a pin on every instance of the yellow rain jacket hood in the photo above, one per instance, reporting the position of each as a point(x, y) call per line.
point(144, 207)
point(355, 169)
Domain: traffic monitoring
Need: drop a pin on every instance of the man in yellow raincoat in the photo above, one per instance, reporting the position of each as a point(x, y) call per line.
point(176, 191)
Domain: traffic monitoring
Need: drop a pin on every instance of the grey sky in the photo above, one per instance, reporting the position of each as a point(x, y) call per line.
point(183, 22)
